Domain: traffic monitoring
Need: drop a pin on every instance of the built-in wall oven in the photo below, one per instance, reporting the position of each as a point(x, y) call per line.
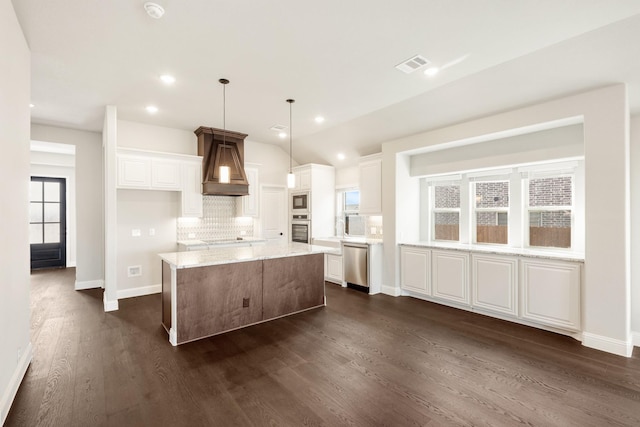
point(300, 203)
point(300, 228)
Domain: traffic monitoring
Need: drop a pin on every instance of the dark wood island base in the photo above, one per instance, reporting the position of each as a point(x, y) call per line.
point(199, 302)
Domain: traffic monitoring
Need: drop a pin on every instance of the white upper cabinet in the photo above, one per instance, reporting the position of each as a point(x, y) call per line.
point(192, 188)
point(134, 171)
point(147, 170)
point(248, 205)
point(370, 169)
point(166, 174)
point(303, 178)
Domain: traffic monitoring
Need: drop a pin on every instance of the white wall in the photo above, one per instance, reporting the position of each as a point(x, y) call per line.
point(156, 138)
point(271, 161)
point(145, 211)
point(635, 229)
point(15, 73)
point(89, 199)
point(606, 300)
point(552, 144)
point(348, 177)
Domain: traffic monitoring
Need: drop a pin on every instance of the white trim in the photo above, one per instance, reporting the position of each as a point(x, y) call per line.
point(635, 338)
point(390, 290)
point(109, 305)
point(16, 379)
point(139, 291)
point(89, 284)
point(610, 345)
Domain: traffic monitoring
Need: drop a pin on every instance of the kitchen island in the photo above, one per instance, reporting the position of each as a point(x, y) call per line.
point(209, 292)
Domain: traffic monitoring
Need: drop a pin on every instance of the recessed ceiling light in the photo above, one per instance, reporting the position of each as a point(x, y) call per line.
point(431, 71)
point(32, 105)
point(154, 10)
point(151, 109)
point(341, 156)
point(282, 134)
point(319, 119)
point(167, 79)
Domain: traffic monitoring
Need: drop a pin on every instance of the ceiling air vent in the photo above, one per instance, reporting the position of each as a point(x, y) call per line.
point(278, 128)
point(412, 64)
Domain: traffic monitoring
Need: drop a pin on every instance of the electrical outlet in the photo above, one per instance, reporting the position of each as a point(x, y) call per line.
point(373, 230)
point(245, 302)
point(135, 232)
point(134, 271)
point(152, 232)
point(243, 233)
point(191, 235)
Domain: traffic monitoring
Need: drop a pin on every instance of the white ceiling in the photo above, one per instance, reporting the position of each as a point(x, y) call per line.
point(335, 57)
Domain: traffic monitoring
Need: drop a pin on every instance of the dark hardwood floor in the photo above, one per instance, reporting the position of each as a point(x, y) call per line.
point(360, 361)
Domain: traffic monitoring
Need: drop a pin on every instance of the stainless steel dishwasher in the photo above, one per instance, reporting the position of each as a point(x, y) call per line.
point(356, 264)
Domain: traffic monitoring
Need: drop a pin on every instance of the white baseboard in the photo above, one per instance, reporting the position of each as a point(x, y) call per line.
point(635, 338)
point(391, 290)
point(109, 305)
point(89, 284)
point(610, 345)
point(139, 291)
point(16, 379)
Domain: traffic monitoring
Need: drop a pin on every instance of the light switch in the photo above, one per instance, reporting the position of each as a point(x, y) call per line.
point(136, 232)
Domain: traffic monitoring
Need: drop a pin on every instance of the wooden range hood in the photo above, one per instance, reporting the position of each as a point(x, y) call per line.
point(210, 147)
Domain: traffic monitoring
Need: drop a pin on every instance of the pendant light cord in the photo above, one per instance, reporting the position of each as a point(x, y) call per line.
point(224, 120)
point(290, 101)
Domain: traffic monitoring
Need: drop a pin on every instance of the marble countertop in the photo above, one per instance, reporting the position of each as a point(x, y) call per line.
point(196, 242)
point(533, 253)
point(228, 255)
point(339, 240)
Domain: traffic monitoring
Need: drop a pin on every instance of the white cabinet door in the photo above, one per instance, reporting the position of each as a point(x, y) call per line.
point(494, 284)
point(551, 292)
point(415, 266)
point(248, 205)
point(305, 179)
point(192, 189)
point(333, 271)
point(134, 172)
point(371, 187)
point(450, 278)
point(165, 174)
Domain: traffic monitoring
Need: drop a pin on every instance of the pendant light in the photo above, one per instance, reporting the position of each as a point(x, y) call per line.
point(291, 178)
point(224, 172)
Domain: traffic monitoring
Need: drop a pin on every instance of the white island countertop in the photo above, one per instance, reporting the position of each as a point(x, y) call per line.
point(230, 255)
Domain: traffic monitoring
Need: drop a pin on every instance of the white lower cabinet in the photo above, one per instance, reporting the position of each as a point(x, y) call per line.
point(494, 283)
point(415, 269)
point(333, 268)
point(450, 276)
point(551, 292)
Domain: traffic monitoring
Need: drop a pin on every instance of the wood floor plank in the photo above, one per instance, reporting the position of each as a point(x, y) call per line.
point(360, 361)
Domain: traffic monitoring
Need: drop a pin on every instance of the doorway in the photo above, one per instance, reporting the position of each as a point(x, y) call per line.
point(47, 222)
point(274, 213)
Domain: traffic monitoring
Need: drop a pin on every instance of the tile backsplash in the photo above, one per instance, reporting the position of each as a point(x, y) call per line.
point(218, 221)
point(373, 229)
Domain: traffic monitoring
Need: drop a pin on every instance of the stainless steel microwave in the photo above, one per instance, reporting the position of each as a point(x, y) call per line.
point(300, 202)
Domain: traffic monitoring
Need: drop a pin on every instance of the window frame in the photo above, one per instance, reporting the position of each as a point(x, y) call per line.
point(451, 181)
point(527, 208)
point(474, 210)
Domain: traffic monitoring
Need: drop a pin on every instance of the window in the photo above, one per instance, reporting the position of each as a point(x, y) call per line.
point(549, 210)
point(446, 211)
point(348, 220)
point(491, 206)
point(521, 206)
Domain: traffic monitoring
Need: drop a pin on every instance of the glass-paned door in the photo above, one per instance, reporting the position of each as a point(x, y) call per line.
point(47, 222)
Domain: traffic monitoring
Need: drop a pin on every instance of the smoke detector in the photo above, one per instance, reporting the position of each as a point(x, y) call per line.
point(154, 10)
